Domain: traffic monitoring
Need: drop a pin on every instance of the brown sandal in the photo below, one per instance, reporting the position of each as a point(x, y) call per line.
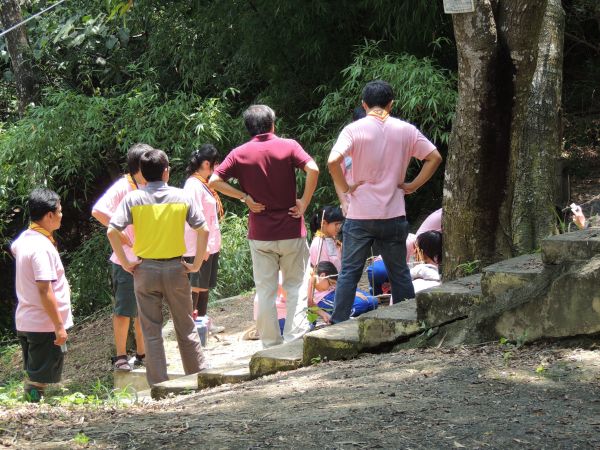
point(122, 364)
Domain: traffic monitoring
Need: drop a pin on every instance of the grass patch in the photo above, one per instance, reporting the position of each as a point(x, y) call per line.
point(101, 394)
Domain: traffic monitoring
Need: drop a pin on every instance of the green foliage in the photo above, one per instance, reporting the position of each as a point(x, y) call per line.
point(509, 348)
point(8, 370)
point(317, 360)
point(425, 94)
point(311, 314)
point(469, 268)
point(73, 140)
point(88, 271)
point(11, 394)
point(235, 262)
point(81, 439)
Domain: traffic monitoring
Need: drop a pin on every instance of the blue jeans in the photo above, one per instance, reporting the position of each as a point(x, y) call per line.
point(388, 238)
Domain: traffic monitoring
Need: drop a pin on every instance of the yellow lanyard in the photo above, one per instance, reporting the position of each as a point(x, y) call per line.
point(381, 114)
point(131, 182)
point(35, 227)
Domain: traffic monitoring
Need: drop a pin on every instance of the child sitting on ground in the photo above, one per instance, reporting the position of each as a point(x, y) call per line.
point(428, 250)
point(324, 280)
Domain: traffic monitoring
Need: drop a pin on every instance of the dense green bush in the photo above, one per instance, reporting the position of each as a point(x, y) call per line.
point(74, 140)
point(235, 262)
point(88, 272)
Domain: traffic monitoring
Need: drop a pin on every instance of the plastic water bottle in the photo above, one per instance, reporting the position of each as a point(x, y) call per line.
point(202, 328)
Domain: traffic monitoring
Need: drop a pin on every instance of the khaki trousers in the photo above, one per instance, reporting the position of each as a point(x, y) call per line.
point(153, 281)
point(291, 256)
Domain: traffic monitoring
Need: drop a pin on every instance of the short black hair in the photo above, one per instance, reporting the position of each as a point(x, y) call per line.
point(206, 152)
point(358, 113)
point(329, 214)
point(377, 93)
point(134, 154)
point(42, 201)
point(327, 268)
point(259, 119)
point(430, 244)
point(153, 163)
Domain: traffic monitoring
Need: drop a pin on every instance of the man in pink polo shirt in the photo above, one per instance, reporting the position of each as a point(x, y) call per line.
point(44, 308)
point(265, 168)
point(381, 148)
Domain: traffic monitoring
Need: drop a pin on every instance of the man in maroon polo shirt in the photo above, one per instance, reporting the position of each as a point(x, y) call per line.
point(265, 168)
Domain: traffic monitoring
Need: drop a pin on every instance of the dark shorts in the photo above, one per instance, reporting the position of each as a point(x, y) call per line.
point(42, 360)
point(206, 277)
point(125, 304)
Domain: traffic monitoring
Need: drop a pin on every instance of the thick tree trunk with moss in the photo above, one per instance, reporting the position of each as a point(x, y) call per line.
point(20, 54)
point(536, 143)
point(501, 170)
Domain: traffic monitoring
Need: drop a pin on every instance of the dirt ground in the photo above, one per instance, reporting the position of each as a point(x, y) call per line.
point(489, 396)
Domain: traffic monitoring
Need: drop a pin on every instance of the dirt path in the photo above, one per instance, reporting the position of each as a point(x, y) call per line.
point(447, 398)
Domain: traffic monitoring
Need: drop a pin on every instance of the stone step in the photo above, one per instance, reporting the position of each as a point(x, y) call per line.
point(335, 342)
point(136, 379)
point(387, 325)
point(224, 375)
point(568, 247)
point(206, 379)
point(449, 301)
point(187, 383)
point(277, 359)
point(510, 275)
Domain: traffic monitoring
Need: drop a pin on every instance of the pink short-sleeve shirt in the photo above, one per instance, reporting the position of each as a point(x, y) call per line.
point(329, 251)
point(206, 203)
point(108, 203)
point(381, 152)
point(38, 260)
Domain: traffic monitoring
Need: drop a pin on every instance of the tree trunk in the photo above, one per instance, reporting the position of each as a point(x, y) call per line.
point(500, 173)
point(537, 142)
point(20, 54)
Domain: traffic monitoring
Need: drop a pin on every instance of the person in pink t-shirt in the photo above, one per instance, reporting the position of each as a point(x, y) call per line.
point(125, 306)
point(200, 167)
point(265, 168)
point(433, 222)
point(381, 148)
point(44, 299)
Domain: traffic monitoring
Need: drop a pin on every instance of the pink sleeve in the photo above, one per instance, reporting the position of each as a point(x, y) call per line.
point(421, 147)
point(194, 191)
point(108, 203)
point(343, 145)
point(43, 267)
point(314, 251)
point(433, 222)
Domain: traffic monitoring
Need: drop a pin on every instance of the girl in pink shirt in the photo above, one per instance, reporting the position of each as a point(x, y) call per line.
point(200, 167)
point(325, 226)
point(325, 247)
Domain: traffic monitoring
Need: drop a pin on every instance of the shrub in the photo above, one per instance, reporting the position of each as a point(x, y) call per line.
point(235, 262)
